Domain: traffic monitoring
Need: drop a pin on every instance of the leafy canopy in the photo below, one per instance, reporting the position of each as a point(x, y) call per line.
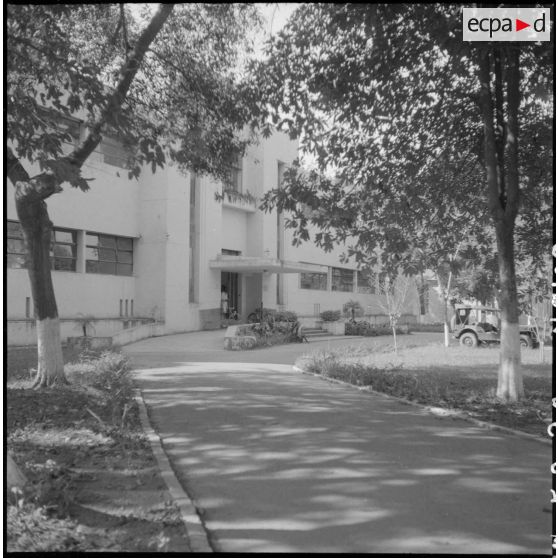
point(189, 101)
point(384, 99)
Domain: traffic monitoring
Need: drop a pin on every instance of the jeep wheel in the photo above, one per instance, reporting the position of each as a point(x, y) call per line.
point(469, 340)
point(525, 341)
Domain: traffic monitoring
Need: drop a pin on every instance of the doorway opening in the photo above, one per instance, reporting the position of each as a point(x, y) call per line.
point(231, 281)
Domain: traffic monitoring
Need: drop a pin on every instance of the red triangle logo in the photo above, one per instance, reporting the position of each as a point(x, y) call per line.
point(519, 25)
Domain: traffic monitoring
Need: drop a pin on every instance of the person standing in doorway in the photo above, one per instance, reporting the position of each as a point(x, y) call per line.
point(224, 302)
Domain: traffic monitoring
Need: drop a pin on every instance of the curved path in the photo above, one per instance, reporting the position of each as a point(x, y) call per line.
point(279, 461)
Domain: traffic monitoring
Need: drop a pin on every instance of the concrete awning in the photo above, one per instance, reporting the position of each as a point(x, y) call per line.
point(251, 264)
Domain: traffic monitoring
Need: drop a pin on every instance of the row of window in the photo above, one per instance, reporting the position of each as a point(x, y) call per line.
point(126, 307)
point(342, 280)
point(107, 254)
point(113, 151)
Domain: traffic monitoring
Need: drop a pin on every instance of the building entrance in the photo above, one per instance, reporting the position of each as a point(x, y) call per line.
point(231, 281)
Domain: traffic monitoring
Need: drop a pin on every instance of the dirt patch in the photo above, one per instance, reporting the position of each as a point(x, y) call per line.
point(92, 486)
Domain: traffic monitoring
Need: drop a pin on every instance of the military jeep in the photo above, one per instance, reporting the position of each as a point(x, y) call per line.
point(480, 325)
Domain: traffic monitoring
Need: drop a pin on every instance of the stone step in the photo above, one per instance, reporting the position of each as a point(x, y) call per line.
point(314, 332)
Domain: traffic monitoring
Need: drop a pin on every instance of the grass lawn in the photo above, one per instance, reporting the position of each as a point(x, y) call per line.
point(93, 481)
point(456, 377)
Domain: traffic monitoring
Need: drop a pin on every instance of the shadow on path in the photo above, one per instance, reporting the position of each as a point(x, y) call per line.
point(284, 462)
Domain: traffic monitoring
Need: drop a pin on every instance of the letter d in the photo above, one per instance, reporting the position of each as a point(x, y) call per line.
point(540, 20)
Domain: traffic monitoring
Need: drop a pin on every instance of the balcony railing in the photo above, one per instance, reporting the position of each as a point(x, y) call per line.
point(243, 201)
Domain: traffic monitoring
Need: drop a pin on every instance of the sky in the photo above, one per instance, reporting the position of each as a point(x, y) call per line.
point(275, 16)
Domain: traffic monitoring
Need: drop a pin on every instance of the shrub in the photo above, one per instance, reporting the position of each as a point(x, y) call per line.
point(286, 316)
point(353, 305)
point(110, 372)
point(275, 333)
point(434, 328)
point(366, 329)
point(330, 315)
point(260, 315)
point(359, 328)
point(30, 529)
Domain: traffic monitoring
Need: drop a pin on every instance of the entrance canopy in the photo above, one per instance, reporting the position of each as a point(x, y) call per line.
point(251, 264)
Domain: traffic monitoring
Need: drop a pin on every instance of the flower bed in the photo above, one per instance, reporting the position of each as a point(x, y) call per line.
point(265, 334)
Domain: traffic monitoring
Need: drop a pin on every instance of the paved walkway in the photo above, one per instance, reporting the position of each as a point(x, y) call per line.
point(202, 346)
point(284, 462)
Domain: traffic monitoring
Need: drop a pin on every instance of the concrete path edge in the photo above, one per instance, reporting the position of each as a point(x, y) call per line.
point(197, 535)
point(437, 411)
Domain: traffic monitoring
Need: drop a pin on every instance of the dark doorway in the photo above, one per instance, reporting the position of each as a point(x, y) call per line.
point(231, 282)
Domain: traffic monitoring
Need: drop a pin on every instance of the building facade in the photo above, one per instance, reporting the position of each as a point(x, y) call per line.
point(162, 247)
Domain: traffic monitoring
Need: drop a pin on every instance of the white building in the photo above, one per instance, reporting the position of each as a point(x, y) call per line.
point(162, 246)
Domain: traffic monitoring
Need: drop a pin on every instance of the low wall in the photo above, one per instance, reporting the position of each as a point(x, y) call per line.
point(210, 318)
point(24, 331)
point(137, 333)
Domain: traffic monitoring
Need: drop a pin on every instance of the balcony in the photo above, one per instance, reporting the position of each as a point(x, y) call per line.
point(241, 201)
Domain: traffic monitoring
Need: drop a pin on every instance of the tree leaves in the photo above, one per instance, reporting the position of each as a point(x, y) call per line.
point(187, 102)
point(384, 97)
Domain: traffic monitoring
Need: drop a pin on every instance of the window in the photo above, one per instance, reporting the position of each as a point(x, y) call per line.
point(342, 279)
point(234, 181)
point(366, 281)
point(114, 152)
point(63, 250)
point(226, 252)
point(109, 254)
point(16, 257)
point(62, 124)
point(314, 281)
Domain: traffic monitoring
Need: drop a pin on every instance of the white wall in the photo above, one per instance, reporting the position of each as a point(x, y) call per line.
point(110, 207)
point(75, 293)
point(177, 253)
point(154, 210)
point(234, 230)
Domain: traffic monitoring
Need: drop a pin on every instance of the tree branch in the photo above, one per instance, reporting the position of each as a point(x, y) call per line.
point(15, 170)
point(500, 126)
point(127, 74)
point(44, 51)
point(513, 95)
point(487, 112)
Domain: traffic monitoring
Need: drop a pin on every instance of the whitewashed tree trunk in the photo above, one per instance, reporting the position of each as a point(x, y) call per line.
point(37, 230)
point(510, 379)
point(14, 476)
point(499, 73)
point(49, 348)
point(30, 196)
point(446, 333)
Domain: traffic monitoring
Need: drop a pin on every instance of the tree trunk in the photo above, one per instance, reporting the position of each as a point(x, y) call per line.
point(446, 332)
point(393, 329)
point(446, 323)
point(503, 201)
point(444, 292)
point(37, 231)
point(37, 227)
point(510, 379)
